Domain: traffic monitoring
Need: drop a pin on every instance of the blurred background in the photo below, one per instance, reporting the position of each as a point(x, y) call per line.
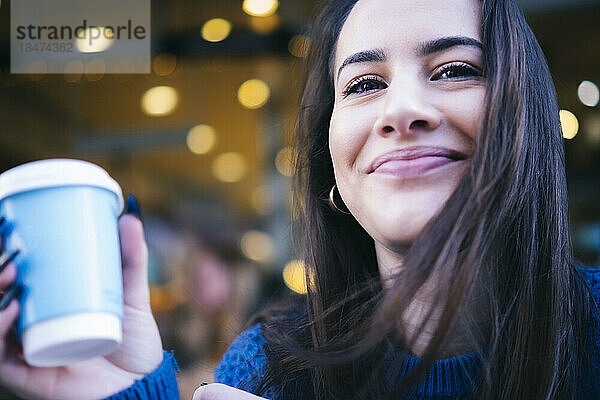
point(202, 141)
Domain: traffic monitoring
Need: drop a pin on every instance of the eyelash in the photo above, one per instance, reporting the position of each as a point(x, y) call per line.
point(458, 66)
point(355, 84)
point(354, 87)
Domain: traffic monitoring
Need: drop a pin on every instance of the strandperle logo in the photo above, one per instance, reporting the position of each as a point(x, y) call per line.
point(70, 36)
point(82, 31)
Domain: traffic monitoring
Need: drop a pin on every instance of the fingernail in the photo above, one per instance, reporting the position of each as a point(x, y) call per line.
point(133, 207)
point(5, 226)
point(12, 293)
point(6, 258)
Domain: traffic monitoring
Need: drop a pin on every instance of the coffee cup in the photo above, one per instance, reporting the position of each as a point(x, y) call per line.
point(63, 219)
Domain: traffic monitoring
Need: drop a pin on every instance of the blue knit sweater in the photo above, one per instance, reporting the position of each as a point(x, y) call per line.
point(244, 364)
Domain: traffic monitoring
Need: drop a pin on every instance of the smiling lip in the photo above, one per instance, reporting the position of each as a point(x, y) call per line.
point(414, 161)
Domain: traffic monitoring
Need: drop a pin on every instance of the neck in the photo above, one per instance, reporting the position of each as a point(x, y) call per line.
point(458, 340)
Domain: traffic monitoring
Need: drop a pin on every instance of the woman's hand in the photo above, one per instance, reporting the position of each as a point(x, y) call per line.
point(139, 354)
point(218, 391)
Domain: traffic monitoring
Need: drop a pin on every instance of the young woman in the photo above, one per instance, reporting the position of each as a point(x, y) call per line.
point(431, 182)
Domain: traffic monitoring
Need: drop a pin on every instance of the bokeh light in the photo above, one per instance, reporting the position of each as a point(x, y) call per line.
point(164, 64)
point(160, 100)
point(229, 167)
point(260, 8)
point(294, 276)
point(258, 246)
point(261, 200)
point(265, 25)
point(216, 29)
point(588, 93)
point(283, 161)
point(253, 93)
point(73, 71)
point(95, 39)
point(201, 139)
point(95, 70)
point(569, 124)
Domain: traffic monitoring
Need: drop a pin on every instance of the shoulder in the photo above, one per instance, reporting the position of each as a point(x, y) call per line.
point(243, 364)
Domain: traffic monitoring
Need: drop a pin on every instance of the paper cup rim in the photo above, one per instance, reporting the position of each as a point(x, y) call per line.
point(57, 172)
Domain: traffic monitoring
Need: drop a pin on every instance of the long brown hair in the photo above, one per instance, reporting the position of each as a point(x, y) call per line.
point(505, 227)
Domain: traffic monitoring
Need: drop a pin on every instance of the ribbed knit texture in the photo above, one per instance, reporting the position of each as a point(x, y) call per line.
point(244, 364)
point(160, 384)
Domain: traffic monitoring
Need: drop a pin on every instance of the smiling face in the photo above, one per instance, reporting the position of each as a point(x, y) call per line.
point(409, 92)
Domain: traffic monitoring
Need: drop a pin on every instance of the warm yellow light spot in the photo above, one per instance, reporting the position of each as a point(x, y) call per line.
point(160, 100)
point(569, 124)
point(298, 46)
point(216, 29)
point(294, 276)
point(164, 64)
point(94, 70)
point(253, 93)
point(265, 24)
point(229, 167)
point(95, 39)
point(283, 161)
point(258, 246)
point(73, 71)
point(201, 139)
point(588, 93)
point(261, 200)
point(260, 8)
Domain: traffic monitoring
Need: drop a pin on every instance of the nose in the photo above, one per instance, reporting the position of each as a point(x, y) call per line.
point(406, 110)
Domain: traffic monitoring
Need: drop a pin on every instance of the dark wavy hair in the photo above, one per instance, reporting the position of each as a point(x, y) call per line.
point(505, 228)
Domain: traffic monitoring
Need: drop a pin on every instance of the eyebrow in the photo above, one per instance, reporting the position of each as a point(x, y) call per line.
point(374, 55)
point(423, 50)
point(437, 45)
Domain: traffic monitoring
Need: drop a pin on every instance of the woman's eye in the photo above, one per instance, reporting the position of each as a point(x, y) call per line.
point(457, 71)
point(364, 85)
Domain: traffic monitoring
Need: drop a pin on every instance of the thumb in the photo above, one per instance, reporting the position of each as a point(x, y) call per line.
point(134, 257)
point(219, 391)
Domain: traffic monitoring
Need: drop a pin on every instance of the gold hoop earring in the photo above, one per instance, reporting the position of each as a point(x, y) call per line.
point(332, 202)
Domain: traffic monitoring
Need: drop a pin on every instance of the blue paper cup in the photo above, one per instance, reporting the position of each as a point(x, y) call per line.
point(63, 217)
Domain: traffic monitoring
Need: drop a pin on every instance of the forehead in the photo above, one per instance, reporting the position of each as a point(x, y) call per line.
point(400, 25)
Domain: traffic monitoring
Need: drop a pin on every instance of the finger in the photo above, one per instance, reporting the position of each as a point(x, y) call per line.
point(7, 318)
point(219, 391)
point(17, 375)
point(134, 256)
point(8, 275)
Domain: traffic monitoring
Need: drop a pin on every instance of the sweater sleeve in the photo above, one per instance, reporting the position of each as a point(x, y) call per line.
point(160, 384)
point(243, 364)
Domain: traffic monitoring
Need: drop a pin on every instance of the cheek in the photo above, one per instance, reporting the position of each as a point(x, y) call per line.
point(465, 113)
point(348, 133)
